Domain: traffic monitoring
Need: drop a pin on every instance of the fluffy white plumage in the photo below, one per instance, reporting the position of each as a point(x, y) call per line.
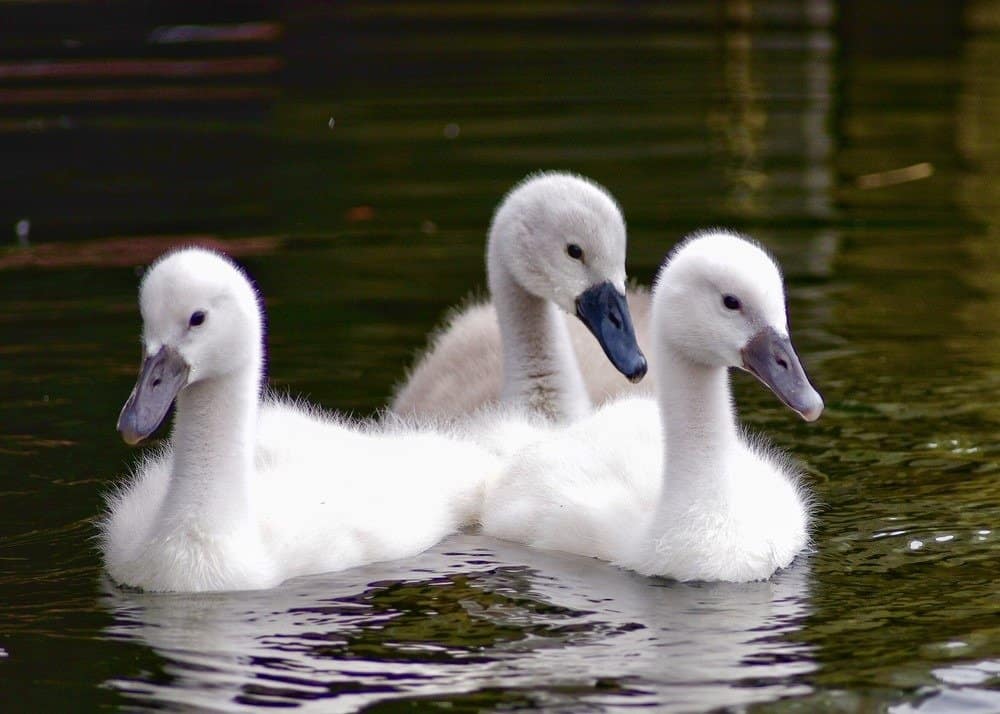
point(518, 348)
point(670, 486)
point(251, 492)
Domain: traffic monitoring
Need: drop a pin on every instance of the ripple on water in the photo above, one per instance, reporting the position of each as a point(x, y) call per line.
point(517, 625)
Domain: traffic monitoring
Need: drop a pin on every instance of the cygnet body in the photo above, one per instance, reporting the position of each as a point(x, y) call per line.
point(251, 492)
point(670, 486)
point(556, 248)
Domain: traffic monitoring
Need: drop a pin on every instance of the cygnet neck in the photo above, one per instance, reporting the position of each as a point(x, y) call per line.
point(213, 443)
point(540, 371)
point(698, 421)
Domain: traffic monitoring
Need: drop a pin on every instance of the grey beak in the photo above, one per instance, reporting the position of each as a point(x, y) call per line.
point(772, 359)
point(162, 376)
point(604, 311)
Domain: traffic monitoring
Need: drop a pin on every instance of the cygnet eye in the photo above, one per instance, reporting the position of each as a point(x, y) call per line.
point(574, 251)
point(197, 317)
point(731, 302)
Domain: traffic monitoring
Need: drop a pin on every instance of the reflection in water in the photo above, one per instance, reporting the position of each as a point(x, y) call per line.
point(739, 125)
point(776, 158)
point(473, 614)
point(979, 191)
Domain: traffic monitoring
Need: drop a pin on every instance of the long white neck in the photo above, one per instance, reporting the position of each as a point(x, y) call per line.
point(213, 443)
point(540, 370)
point(699, 428)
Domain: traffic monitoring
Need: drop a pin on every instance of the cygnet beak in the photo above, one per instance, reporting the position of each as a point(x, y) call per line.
point(604, 311)
point(162, 376)
point(772, 359)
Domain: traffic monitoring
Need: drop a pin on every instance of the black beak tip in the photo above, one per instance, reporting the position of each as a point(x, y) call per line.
point(636, 374)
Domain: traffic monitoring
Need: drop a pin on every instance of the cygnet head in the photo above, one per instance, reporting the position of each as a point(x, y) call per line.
point(200, 321)
point(719, 302)
point(562, 238)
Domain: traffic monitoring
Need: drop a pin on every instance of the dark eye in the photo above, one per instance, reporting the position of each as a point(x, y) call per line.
point(731, 302)
point(197, 317)
point(574, 251)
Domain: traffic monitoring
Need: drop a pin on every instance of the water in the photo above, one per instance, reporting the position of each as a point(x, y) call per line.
point(362, 233)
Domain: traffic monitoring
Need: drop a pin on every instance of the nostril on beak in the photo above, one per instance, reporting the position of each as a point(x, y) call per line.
point(615, 320)
point(781, 361)
point(156, 382)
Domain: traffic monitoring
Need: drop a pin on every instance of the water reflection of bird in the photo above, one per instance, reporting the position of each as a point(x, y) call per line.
point(671, 487)
point(246, 494)
point(558, 628)
point(556, 249)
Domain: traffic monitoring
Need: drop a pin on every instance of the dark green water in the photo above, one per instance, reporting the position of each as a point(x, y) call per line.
point(362, 234)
